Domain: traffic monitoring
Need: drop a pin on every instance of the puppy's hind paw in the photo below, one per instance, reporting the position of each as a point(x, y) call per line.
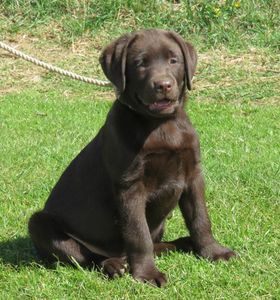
point(215, 252)
point(113, 267)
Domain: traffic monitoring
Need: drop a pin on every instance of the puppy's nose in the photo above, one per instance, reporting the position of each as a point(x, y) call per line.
point(163, 86)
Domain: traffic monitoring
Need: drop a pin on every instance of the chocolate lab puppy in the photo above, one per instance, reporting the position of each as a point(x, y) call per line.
point(110, 205)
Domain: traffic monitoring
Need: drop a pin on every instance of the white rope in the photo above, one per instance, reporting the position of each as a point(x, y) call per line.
point(53, 68)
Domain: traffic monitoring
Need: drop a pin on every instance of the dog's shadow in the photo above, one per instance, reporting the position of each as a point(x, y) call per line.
point(17, 252)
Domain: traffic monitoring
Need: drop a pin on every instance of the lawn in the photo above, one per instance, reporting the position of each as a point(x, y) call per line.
point(45, 120)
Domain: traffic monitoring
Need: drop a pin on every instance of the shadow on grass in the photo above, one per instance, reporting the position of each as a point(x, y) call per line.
point(17, 252)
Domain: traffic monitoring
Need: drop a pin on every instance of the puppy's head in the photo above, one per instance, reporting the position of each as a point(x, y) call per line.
point(150, 69)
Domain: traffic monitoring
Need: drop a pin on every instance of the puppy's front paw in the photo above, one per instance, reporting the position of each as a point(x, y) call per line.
point(152, 276)
point(216, 252)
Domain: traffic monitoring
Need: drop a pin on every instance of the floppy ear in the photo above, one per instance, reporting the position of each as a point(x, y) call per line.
point(190, 58)
point(113, 61)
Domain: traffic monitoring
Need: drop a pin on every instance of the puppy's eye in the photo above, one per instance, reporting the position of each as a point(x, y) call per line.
point(173, 60)
point(140, 63)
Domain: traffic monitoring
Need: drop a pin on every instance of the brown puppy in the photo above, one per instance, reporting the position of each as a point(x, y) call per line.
point(110, 205)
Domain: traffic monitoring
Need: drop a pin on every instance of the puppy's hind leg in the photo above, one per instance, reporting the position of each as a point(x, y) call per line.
point(182, 244)
point(161, 247)
point(53, 244)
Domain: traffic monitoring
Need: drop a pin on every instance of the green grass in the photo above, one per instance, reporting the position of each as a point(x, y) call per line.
point(212, 23)
point(45, 120)
point(40, 135)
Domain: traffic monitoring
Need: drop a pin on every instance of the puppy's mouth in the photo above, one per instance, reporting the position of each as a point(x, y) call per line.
point(159, 105)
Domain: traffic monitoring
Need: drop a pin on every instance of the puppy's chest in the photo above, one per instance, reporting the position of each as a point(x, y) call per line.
point(163, 171)
point(168, 160)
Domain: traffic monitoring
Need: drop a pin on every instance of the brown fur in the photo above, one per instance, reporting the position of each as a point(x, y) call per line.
point(110, 205)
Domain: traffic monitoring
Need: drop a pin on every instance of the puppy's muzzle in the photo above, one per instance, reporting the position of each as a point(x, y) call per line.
point(163, 86)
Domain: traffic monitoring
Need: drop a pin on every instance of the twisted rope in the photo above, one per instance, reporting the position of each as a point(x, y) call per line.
point(53, 68)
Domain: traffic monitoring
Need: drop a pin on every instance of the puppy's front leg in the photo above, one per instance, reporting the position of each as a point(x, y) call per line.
point(193, 207)
point(136, 235)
